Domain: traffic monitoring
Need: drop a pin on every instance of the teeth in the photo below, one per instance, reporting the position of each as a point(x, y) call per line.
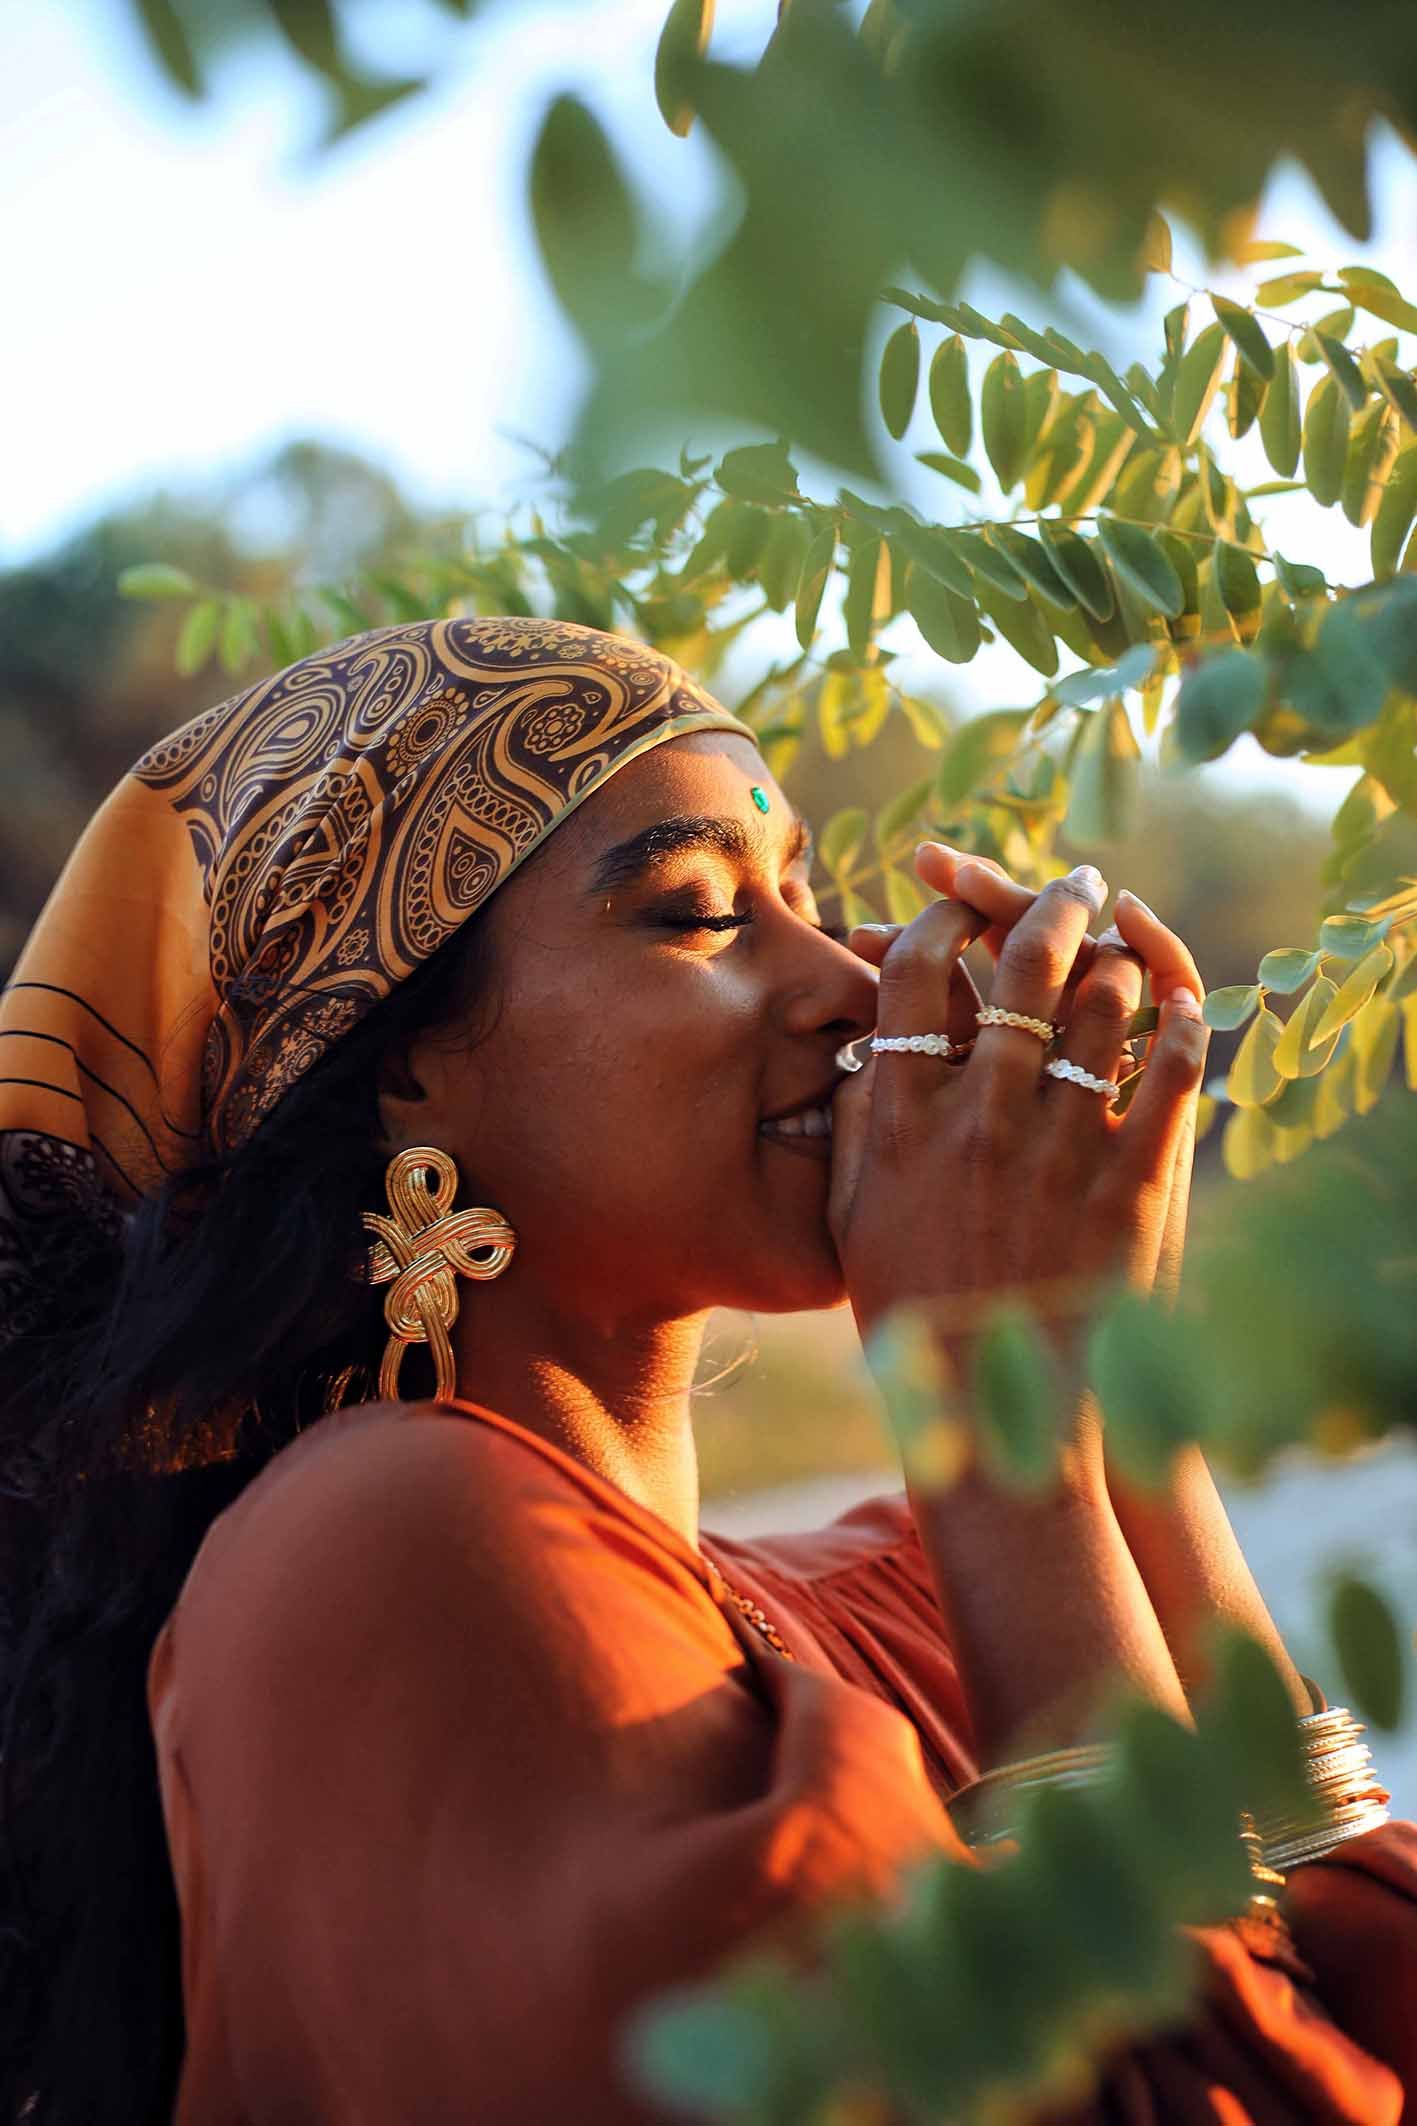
point(812, 1122)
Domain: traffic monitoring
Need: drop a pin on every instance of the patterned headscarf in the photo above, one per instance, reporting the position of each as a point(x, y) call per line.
point(263, 878)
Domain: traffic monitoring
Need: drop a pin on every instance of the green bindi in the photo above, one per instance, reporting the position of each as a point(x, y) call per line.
point(760, 798)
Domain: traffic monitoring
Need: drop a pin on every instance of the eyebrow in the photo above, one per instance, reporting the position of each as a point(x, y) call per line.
point(628, 860)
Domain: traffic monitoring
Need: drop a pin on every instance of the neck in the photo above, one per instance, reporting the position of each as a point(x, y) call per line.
point(614, 1394)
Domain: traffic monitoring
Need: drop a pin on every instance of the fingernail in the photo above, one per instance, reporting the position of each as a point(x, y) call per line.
point(1184, 1002)
point(1136, 900)
point(880, 929)
point(943, 847)
point(1111, 936)
point(1089, 876)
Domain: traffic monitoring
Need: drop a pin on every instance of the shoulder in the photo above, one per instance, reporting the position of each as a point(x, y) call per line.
point(378, 1553)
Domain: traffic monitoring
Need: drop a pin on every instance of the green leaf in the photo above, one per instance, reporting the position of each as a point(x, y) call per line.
point(759, 472)
point(816, 568)
point(1024, 628)
point(1371, 447)
point(949, 623)
point(949, 395)
point(156, 579)
point(586, 223)
point(1398, 389)
point(171, 46)
point(1374, 292)
point(1287, 288)
point(1336, 323)
point(1016, 1399)
point(1395, 512)
point(198, 637)
point(1247, 396)
point(1104, 780)
point(1299, 1054)
point(950, 468)
point(1142, 565)
point(1220, 697)
point(237, 641)
point(868, 586)
point(1131, 670)
point(900, 377)
point(898, 818)
point(1238, 583)
point(1280, 426)
point(1326, 422)
point(1351, 937)
point(782, 559)
point(1003, 415)
point(1075, 559)
point(992, 564)
point(1368, 1644)
point(1351, 380)
point(1228, 1008)
point(932, 549)
point(1254, 1080)
point(1355, 992)
point(1248, 335)
point(841, 841)
point(975, 754)
point(1287, 969)
point(1256, 252)
point(682, 40)
point(1197, 381)
point(1374, 1035)
point(1032, 562)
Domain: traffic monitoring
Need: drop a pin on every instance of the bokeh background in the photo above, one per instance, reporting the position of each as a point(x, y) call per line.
point(270, 365)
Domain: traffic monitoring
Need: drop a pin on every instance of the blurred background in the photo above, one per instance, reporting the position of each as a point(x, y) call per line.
point(273, 366)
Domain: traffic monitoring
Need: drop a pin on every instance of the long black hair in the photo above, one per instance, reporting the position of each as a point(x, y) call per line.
point(177, 1355)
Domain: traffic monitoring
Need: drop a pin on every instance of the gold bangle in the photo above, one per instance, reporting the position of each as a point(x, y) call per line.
point(1346, 1796)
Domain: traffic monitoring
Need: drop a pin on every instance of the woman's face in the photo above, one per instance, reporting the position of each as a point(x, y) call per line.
point(661, 988)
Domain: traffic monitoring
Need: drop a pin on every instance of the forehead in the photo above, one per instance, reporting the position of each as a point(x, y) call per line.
point(704, 772)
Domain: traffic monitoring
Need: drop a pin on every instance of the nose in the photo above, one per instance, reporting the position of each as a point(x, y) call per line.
point(831, 990)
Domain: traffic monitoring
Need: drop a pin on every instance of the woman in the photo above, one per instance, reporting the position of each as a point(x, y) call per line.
point(477, 963)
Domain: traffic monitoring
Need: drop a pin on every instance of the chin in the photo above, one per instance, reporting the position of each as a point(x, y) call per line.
point(806, 1282)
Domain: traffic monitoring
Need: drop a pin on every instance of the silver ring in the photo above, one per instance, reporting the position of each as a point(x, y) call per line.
point(916, 1044)
point(1076, 1075)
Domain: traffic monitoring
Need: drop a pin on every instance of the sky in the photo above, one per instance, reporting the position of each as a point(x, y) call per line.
point(189, 287)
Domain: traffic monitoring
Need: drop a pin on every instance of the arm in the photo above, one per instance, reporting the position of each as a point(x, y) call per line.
point(1180, 1536)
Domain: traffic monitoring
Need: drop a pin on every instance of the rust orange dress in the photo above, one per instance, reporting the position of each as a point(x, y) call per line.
point(462, 1758)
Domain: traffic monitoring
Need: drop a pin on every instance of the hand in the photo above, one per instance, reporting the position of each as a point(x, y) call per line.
point(950, 1180)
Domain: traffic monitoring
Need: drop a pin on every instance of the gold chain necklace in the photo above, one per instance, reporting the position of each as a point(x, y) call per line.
point(751, 1611)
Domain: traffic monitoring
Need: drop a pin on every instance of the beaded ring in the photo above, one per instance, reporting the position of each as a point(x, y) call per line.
point(1076, 1075)
point(1042, 1029)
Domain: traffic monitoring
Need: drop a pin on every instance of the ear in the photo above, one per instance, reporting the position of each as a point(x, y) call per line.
point(401, 1095)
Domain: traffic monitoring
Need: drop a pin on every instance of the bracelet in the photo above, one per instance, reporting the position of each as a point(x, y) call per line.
point(1346, 1796)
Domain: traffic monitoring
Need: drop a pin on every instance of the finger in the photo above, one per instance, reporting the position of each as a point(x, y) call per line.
point(1154, 1127)
point(851, 1118)
point(980, 883)
point(1034, 966)
point(1168, 960)
point(917, 976)
point(1102, 1009)
point(938, 865)
point(872, 941)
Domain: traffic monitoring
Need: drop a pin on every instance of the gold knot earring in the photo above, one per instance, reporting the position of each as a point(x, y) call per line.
point(420, 1251)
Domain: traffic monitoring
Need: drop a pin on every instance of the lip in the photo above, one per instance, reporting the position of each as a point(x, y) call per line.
point(821, 1098)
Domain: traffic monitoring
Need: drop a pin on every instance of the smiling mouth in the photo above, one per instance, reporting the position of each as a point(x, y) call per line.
point(808, 1131)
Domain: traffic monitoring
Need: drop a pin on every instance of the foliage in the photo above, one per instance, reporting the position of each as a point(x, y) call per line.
point(1109, 529)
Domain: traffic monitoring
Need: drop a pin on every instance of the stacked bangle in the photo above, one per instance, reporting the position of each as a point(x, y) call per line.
point(1346, 1798)
point(1346, 1795)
